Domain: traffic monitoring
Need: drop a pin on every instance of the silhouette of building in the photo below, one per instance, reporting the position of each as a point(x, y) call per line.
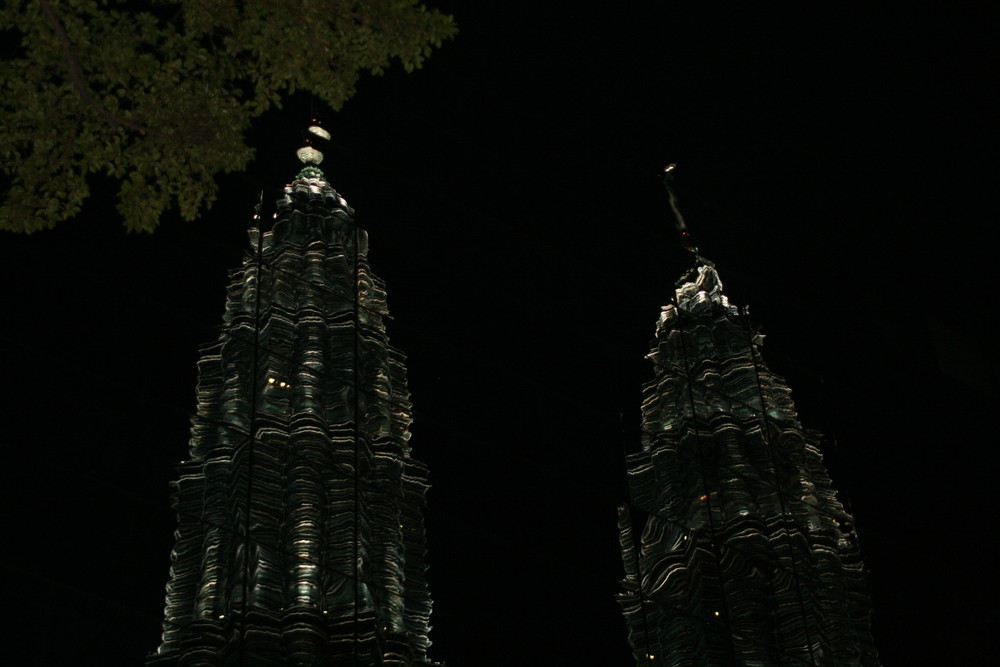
point(744, 554)
point(300, 536)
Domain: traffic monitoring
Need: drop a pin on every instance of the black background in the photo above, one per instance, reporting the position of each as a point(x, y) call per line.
point(834, 161)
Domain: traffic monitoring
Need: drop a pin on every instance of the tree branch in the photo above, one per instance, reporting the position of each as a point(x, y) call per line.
point(76, 76)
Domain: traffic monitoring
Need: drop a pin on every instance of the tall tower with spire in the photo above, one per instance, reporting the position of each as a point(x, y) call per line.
point(300, 537)
point(736, 549)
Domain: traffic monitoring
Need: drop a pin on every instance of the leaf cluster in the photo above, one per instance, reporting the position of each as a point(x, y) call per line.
point(159, 95)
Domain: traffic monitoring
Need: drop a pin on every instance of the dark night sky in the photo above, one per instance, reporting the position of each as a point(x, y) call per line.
point(833, 163)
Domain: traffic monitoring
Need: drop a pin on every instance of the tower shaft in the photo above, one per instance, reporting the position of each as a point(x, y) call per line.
point(737, 551)
point(300, 536)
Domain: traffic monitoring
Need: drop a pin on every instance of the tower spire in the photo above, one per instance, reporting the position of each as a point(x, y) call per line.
point(686, 239)
point(308, 154)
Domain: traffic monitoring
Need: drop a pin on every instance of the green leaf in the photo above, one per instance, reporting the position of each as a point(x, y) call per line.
point(161, 100)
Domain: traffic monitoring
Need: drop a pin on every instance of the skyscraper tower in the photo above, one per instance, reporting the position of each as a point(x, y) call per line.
point(300, 536)
point(744, 555)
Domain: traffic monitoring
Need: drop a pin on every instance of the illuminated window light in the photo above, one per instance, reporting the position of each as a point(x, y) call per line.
point(716, 613)
point(221, 616)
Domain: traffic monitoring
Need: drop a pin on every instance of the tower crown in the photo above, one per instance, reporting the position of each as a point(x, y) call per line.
point(702, 291)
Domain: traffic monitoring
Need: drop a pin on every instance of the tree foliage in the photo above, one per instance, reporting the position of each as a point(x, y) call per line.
point(159, 94)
